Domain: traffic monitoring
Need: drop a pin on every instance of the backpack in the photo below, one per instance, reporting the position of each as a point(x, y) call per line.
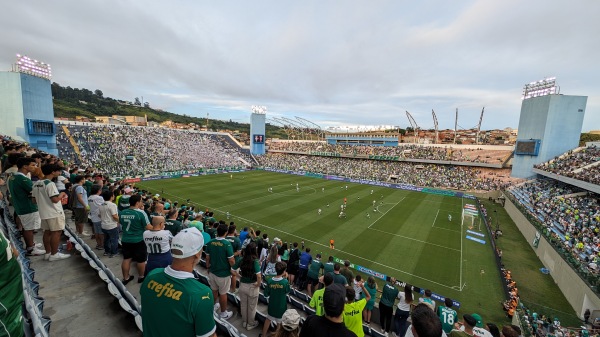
point(72, 198)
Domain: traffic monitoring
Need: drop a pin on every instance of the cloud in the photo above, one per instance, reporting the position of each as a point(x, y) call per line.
point(334, 63)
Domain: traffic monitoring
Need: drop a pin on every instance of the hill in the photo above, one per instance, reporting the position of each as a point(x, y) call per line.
point(71, 102)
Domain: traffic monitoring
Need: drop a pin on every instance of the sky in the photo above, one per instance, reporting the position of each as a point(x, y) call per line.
point(335, 63)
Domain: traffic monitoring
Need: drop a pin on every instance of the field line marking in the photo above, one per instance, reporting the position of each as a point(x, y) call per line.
point(413, 239)
point(347, 253)
point(436, 215)
point(339, 250)
point(382, 215)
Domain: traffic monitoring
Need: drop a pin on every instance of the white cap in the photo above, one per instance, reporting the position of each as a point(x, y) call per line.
point(290, 320)
point(189, 241)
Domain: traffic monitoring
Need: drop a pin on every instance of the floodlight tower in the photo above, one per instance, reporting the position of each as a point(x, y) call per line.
point(435, 124)
point(413, 124)
point(257, 129)
point(479, 126)
point(26, 109)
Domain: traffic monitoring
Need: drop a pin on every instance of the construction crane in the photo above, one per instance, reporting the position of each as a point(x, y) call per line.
point(477, 140)
point(435, 125)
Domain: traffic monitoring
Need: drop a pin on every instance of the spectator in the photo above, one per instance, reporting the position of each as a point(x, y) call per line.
point(248, 269)
point(316, 301)
point(467, 327)
point(237, 251)
point(427, 299)
point(81, 207)
point(276, 290)
point(403, 310)
point(346, 272)
point(51, 213)
point(424, 322)
point(219, 259)
point(95, 200)
point(174, 302)
point(386, 305)
point(20, 188)
point(371, 288)
point(134, 249)
point(314, 271)
point(109, 216)
point(158, 245)
point(305, 260)
point(290, 324)
point(447, 315)
point(353, 310)
point(332, 323)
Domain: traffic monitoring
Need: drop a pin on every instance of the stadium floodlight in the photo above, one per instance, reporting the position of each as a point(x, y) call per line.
point(259, 109)
point(27, 65)
point(543, 87)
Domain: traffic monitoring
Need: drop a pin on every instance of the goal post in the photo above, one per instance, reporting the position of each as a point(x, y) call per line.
point(470, 215)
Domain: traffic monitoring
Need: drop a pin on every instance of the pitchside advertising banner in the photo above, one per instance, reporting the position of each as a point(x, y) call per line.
point(436, 297)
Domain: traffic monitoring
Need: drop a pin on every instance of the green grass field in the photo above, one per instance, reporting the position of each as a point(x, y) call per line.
point(407, 234)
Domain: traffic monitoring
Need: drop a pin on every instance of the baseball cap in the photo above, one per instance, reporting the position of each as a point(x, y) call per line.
point(128, 190)
point(478, 319)
point(470, 320)
point(290, 320)
point(189, 241)
point(276, 240)
point(334, 299)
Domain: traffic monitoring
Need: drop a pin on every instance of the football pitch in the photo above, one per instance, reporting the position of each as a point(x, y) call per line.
point(405, 234)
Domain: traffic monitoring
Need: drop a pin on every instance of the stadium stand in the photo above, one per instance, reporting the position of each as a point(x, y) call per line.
point(580, 163)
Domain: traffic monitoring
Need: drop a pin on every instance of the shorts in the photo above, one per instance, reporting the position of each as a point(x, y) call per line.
point(292, 269)
point(313, 281)
point(31, 221)
point(97, 227)
point(135, 251)
point(81, 215)
point(274, 319)
point(54, 224)
point(158, 261)
point(222, 284)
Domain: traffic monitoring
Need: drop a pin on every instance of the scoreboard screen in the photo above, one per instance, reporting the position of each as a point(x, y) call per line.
point(529, 147)
point(258, 139)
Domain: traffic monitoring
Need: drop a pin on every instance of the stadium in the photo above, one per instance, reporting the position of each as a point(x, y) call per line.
point(447, 219)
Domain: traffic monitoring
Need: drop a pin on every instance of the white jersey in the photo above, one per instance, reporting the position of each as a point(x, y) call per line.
point(42, 191)
point(157, 242)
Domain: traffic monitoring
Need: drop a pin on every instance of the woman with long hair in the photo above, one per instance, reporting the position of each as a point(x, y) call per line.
point(269, 263)
point(403, 310)
point(248, 270)
point(371, 288)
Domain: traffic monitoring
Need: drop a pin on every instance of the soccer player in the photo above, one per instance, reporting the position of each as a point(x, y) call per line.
point(371, 191)
point(228, 215)
point(270, 189)
point(368, 215)
point(374, 202)
point(331, 242)
point(449, 217)
point(319, 211)
point(297, 189)
point(342, 214)
point(323, 189)
point(175, 304)
point(327, 205)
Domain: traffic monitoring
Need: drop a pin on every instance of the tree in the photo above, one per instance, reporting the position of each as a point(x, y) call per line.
point(99, 93)
point(146, 105)
point(137, 101)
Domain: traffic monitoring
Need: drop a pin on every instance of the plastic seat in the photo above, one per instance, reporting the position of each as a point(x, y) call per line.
point(297, 304)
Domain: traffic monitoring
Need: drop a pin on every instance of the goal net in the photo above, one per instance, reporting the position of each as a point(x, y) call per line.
point(470, 216)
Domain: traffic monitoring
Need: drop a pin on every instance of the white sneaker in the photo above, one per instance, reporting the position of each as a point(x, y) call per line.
point(226, 315)
point(217, 306)
point(58, 256)
point(39, 245)
point(251, 326)
point(85, 233)
point(46, 256)
point(36, 252)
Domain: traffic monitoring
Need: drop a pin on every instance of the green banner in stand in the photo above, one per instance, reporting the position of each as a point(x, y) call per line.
point(395, 158)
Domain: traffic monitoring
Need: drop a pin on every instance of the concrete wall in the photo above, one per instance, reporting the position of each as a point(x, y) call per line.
point(11, 106)
point(37, 105)
point(577, 292)
point(556, 120)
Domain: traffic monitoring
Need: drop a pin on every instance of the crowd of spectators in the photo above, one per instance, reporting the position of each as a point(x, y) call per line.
point(430, 175)
point(133, 151)
point(570, 216)
point(406, 151)
point(573, 164)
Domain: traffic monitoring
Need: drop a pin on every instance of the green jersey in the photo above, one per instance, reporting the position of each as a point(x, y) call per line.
point(340, 279)
point(220, 251)
point(448, 317)
point(133, 224)
point(316, 302)
point(236, 245)
point(247, 278)
point(353, 316)
point(173, 226)
point(314, 268)
point(175, 304)
point(277, 290)
point(20, 188)
point(328, 267)
point(11, 283)
point(389, 295)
